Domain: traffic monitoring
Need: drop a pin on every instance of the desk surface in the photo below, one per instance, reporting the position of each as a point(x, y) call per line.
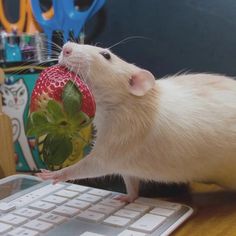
point(215, 212)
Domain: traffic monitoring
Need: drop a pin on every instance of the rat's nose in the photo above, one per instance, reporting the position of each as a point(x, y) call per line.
point(66, 51)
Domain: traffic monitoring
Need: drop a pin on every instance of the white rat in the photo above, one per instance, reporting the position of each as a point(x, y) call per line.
point(177, 129)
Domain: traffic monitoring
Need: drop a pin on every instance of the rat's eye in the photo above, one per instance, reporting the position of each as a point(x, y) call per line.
point(106, 55)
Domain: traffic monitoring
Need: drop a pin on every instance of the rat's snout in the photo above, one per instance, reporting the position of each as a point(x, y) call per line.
point(67, 50)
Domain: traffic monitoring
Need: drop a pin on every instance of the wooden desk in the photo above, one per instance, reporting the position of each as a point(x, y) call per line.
point(215, 212)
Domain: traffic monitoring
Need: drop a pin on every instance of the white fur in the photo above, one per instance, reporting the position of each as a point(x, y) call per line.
point(181, 130)
point(195, 133)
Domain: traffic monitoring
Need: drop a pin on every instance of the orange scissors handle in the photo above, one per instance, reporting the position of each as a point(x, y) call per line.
point(31, 25)
point(17, 26)
point(48, 14)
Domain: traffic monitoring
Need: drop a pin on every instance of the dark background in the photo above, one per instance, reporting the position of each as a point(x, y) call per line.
point(180, 35)
point(192, 35)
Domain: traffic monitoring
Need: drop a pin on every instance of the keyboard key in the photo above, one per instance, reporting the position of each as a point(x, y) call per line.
point(170, 205)
point(78, 188)
point(51, 218)
point(128, 213)
point(28, 213)
point(30, 197)
point(148, 223)
point(23, 232)
point(13, 219)
point(66, 211)
point(19, 202)
point(42, 206)
point(55, 199)
point(66, 193)
point(89, 198)
point(162, 211)
point(148, 201)
point(78, 204)
point(6, 207)
point(131, 233)
point(91, 216)
point(107, 210)
point(100, 192)
point(158, 203)
point(137, 207)
point(112, 202)
point(4, 228)
point(38, 225)
point(91, 234)
point(117, 221)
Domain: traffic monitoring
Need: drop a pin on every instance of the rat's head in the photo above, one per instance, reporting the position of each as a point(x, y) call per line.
point(108, 76)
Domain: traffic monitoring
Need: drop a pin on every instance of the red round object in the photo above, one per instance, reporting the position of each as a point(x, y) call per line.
point(50, 85)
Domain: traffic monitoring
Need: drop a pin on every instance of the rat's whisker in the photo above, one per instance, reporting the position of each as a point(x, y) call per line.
point(46, 62)
point(51, 43)
point(127, 39)
point(23, 67)
point(52, 50)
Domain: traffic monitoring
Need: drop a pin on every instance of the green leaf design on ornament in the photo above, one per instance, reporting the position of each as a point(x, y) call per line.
point(56, 149)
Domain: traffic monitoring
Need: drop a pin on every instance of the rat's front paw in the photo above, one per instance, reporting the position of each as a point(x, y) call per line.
point(126, 198)
point(55, 176)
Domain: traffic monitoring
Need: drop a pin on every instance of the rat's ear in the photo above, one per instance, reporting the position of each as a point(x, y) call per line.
point(141, 82)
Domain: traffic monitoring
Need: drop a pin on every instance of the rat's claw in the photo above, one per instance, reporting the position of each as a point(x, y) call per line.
point(55, 176)
point(45, 171)
point(125, 198)
point(44, 176)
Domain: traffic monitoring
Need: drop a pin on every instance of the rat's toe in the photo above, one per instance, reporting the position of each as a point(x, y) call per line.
point(125, 198)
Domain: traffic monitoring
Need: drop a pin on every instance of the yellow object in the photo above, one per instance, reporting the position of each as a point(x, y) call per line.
point(7, 163)
point(79, 146)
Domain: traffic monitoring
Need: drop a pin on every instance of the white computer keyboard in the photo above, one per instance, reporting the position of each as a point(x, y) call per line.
point(30, 207)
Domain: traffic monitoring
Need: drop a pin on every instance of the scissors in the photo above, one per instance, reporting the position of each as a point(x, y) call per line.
point(48, 24)
point(66, 17)
point(76, 19)
point(32, 26)
point(17, 26)
point(11, 47)
point(26, 18)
